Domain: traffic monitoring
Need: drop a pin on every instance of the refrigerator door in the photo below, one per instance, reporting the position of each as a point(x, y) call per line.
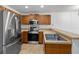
point(13, 48)
point(1, 32)
point(11, 44)
point(6, 31)
point(18, 27)
point(10, 34)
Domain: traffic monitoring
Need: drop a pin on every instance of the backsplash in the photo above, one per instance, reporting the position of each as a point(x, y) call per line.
point(40, 26)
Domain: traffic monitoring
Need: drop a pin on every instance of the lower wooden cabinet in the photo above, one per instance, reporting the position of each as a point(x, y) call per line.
point(58, 48)
point(41, 37)
point(24, 36)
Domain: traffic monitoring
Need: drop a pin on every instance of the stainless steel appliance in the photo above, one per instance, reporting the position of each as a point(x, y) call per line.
point(11, 43)
point(34, 30)
point(34, 25)
point(33, 36)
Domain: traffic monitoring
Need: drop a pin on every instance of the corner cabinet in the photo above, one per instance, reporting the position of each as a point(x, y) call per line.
point(24, 36)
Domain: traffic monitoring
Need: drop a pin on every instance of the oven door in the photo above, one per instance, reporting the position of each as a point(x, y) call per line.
point(33, 37)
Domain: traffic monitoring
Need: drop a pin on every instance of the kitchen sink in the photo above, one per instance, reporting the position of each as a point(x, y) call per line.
point(54, 37)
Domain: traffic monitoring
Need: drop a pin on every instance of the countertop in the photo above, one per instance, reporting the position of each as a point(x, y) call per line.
point(53, 41)
point(53, 31)
point(24, 30)
point(68, 34)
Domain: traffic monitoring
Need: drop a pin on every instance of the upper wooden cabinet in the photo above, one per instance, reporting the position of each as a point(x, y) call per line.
point(25, 20)
point(43, 19)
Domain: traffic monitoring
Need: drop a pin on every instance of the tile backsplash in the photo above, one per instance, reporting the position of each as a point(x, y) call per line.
point(40, 26)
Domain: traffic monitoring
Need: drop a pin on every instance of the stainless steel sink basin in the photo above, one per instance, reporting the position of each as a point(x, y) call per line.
point(54, 37)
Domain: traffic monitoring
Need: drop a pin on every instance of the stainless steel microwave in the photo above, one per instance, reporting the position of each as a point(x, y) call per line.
point(31, 22)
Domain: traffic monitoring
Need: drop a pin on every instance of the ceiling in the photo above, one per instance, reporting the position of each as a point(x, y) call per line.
point(46, 9)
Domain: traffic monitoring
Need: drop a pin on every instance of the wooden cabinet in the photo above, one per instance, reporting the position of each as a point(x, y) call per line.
point(43, 19)
point(57, 48)
point(41, 37)
point(24, 36)
point(25, 20)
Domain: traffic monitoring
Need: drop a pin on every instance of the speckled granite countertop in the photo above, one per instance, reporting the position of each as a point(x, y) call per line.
point(54, 31)
point(54, 41)
point(68, 34)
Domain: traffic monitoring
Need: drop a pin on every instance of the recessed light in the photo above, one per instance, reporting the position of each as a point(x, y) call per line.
point(42, 6)
point(26, 6)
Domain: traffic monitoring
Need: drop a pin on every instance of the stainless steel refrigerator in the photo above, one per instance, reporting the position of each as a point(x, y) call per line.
point(9, 41)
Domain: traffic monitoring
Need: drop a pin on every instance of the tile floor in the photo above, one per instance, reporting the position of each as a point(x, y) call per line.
point(32, 49)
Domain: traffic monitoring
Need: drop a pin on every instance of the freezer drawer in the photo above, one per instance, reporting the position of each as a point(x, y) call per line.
point(14, 49)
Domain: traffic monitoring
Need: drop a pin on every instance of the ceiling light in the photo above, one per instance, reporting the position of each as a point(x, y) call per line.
point(42, 6)
point(26, 6)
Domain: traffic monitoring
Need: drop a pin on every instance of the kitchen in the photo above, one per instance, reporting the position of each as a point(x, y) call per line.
point(39, 29)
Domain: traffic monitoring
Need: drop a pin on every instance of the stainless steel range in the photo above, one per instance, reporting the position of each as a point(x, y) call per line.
point(34, 30)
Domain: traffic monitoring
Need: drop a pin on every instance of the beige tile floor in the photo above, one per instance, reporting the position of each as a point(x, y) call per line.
point(32, 49)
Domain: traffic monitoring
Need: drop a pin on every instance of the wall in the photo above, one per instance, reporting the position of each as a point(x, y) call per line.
point(40, 26)
point(75, 22)
point(68, 21)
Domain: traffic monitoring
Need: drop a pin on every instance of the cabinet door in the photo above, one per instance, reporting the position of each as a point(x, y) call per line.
point(41, 37)
point(24, 36)
point(25, 20)
point(58, 48)
point(44, 19)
